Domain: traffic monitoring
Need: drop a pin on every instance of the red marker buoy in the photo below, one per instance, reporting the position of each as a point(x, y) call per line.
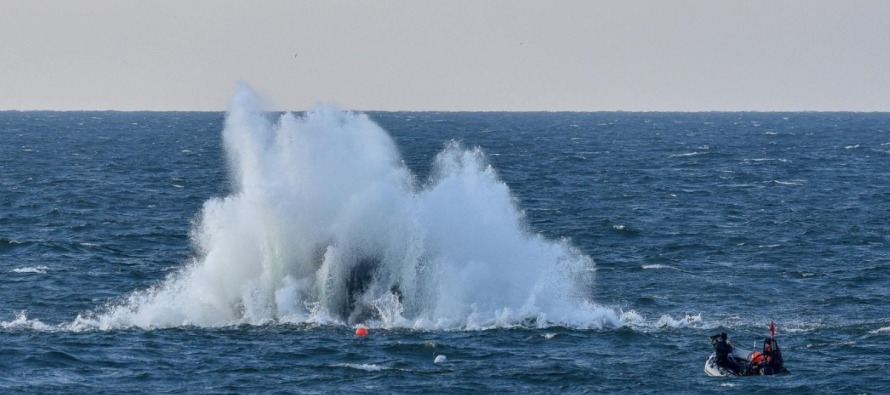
point(361, 331)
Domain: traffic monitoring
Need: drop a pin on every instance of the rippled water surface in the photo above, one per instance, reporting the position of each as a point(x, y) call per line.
point(538, 252)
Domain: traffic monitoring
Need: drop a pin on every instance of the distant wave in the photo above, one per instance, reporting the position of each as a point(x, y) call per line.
point(759, 160)
point(625, 230)
point(36, 269)
point(880, 330)
point(667, 321)
point(12, 244)
point(789, 182)
point(658, 266)
point(688, 154)
point(369, 367)
point(637, 322)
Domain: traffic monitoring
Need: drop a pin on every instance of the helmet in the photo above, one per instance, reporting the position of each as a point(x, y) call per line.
point(723, 335)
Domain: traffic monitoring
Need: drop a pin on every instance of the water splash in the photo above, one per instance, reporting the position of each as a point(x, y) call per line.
point(21, 321)
point(325, 224)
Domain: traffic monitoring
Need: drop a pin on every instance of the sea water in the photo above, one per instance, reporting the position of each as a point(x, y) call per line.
point(486, 252)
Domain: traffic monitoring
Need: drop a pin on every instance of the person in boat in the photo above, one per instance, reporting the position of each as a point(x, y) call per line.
point(723, 351)
point(769, 360)
point(776, 363)
point(762, 361)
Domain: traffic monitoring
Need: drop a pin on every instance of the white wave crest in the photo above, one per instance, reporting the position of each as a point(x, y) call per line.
point(880, 330)
point(687, 154)
point(368, 367)
point(688, 320)
point(789, 182)
point(21, 321)
point(36, 269)
point(658, 266)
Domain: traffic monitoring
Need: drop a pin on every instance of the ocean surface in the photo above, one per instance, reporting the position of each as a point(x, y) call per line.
point(152, 252)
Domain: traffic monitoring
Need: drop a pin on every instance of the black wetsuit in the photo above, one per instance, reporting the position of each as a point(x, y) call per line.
point(723, 350)
point(776, 363)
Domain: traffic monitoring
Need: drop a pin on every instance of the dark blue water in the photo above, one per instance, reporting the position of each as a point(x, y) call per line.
point(117, 271)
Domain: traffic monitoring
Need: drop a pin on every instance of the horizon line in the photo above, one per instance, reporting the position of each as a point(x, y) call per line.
point(468, 111)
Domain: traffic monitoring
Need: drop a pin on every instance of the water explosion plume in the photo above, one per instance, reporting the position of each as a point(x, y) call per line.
point(325, 224)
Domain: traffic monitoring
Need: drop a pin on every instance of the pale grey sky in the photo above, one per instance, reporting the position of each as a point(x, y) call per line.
point(448, 55)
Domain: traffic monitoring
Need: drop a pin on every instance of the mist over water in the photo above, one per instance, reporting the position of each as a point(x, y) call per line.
point(326, 224)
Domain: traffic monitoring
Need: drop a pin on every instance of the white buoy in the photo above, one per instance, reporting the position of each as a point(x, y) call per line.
point(440, 359)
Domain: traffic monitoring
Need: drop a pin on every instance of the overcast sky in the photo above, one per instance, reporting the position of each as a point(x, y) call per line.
point(448, 55)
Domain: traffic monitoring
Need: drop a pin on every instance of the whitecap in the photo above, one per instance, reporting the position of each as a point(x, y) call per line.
point(368, 367)
point(687, 154)
point(658, 266)
point(880, 330)
point(666, 321)
point(36, 270)
point(790, 182)
point(21, 321)
point(802, 326)
point(757, 160)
